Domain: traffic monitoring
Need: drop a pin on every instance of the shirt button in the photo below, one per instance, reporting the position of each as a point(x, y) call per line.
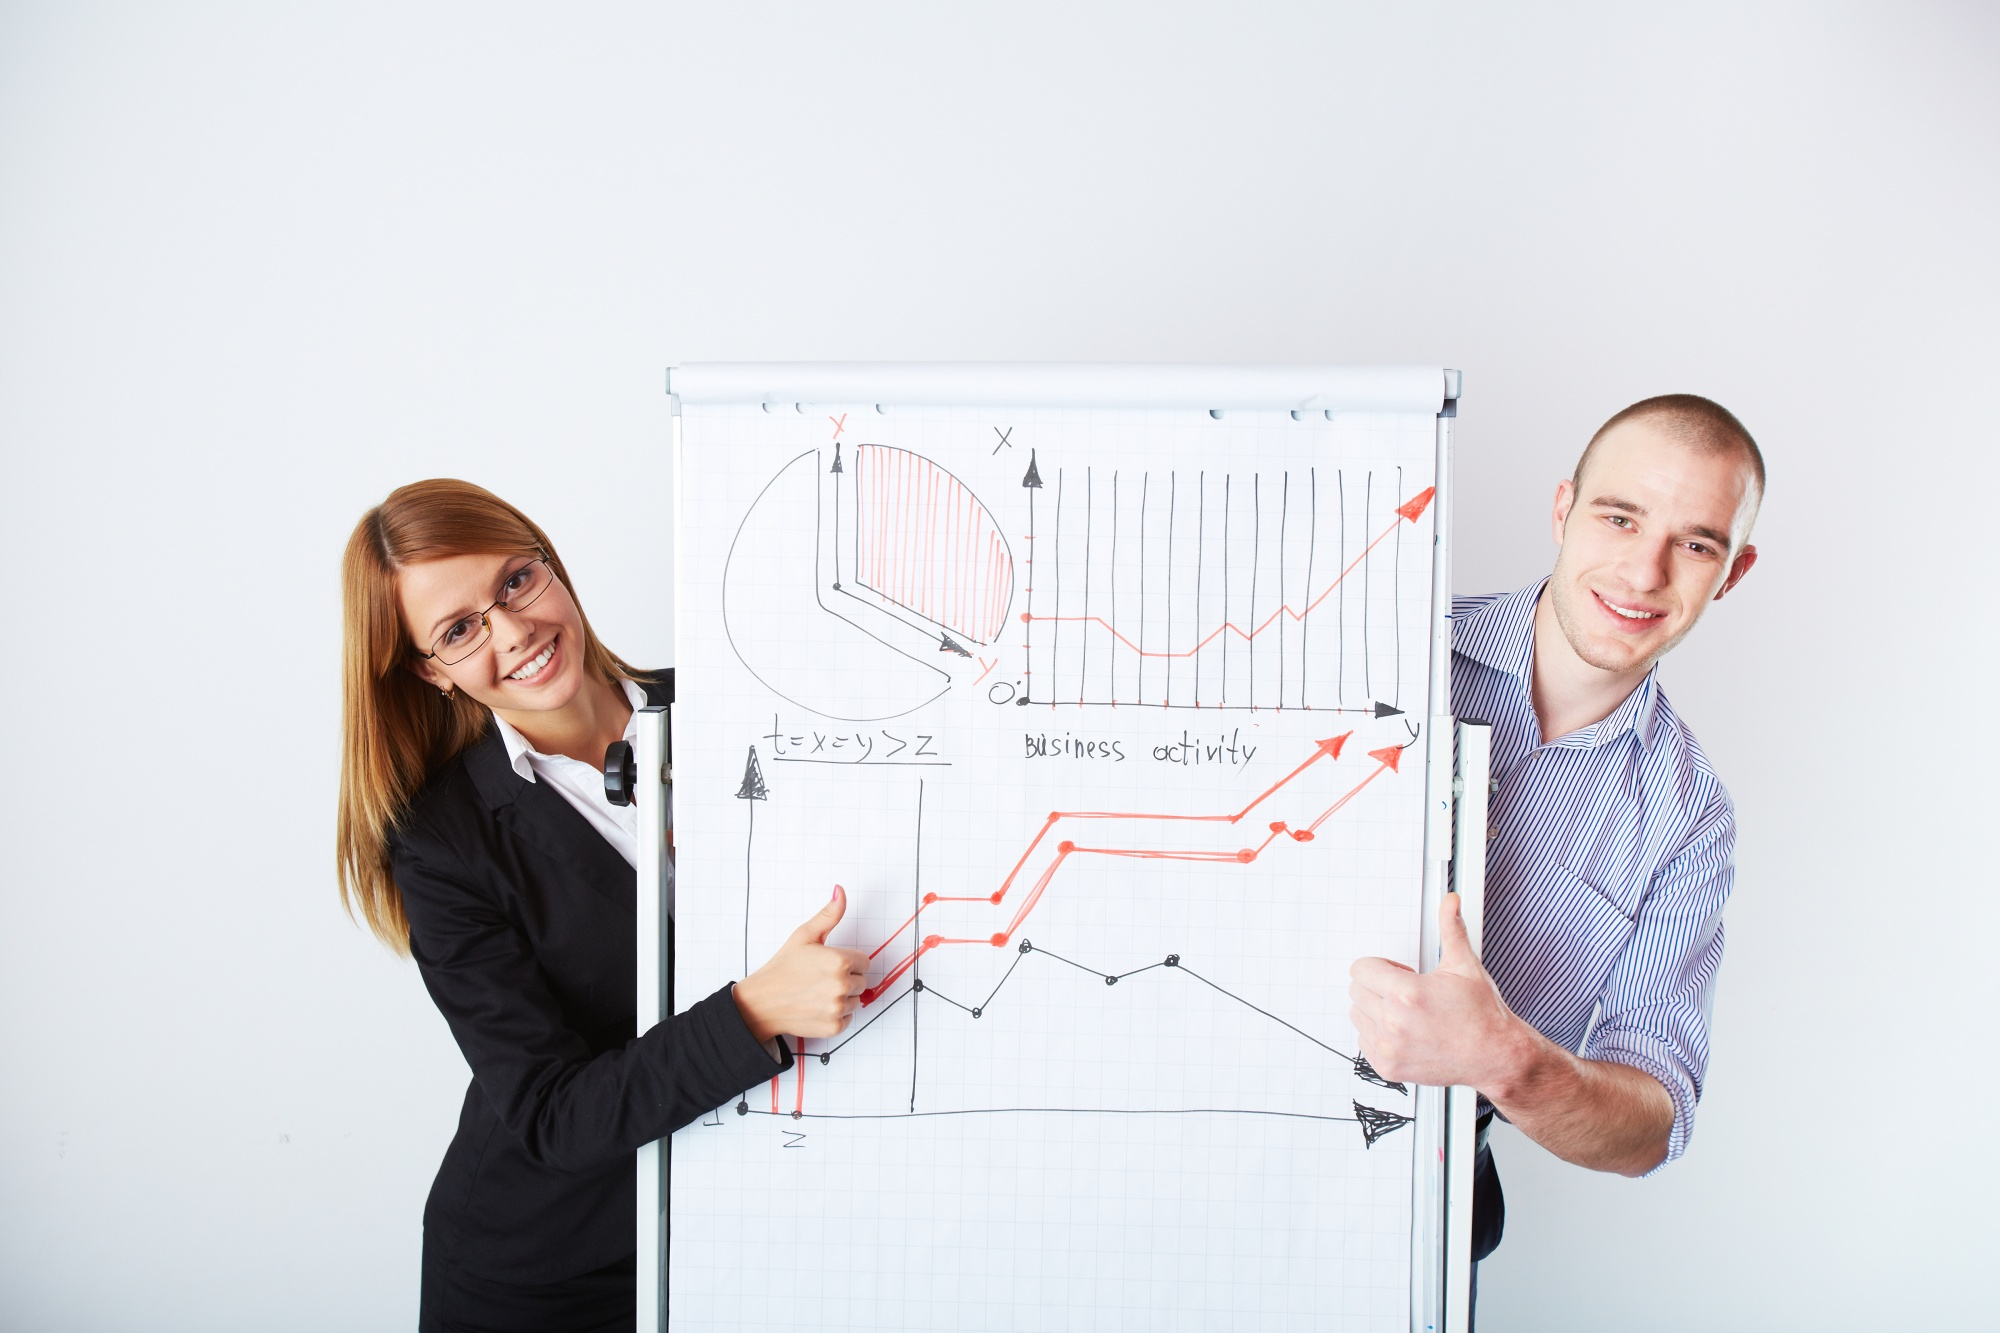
point(1492, 832)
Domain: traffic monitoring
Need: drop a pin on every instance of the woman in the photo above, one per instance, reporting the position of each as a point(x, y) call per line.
point(475, 837)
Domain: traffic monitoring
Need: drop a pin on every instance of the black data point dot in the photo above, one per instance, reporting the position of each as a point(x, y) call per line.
point(1111, 981)
point(1026, 947)
point(743, 1108)
point(918, 984)
point(796, 1114)
point(1021, 702)
point(977, 1012)
point(1173, 960)
point(824, 1057)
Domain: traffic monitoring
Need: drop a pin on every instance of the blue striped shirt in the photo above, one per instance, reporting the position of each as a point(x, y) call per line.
point(1608, 861)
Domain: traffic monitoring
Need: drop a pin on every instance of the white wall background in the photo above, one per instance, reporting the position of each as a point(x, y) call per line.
point(259, 264)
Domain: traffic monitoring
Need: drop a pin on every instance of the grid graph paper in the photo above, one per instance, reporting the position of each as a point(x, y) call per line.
point(1110, 724)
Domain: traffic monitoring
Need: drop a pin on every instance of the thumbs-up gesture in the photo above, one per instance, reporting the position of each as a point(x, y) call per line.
point(809, 988)
point(1441, 1027)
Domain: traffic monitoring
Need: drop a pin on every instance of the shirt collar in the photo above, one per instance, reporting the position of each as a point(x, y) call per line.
point(521, 755)
point(1501, 635)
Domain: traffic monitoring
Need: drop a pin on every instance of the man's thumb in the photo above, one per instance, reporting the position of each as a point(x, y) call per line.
point(1454, 945)
point(815, 929)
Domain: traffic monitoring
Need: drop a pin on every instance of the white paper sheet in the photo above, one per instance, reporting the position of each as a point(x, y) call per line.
point(1095, 715)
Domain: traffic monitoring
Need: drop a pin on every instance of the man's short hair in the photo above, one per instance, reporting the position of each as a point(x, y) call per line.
point(1693, 420)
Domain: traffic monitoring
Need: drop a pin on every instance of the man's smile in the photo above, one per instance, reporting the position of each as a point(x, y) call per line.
point(1631, 613)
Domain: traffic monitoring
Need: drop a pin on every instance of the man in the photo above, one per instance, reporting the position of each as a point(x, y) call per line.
point(1609, 856)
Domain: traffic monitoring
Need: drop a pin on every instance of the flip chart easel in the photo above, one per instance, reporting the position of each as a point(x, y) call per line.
point(1440, 1125)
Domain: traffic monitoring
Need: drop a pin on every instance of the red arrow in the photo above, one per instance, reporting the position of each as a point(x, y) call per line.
point(1419, 502)
point(1389, 757)
point(1329, 748)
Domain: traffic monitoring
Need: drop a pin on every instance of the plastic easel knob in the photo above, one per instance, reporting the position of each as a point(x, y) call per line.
point(621, 773)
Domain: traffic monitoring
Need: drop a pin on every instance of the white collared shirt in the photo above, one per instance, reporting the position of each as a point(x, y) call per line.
point(583, 785)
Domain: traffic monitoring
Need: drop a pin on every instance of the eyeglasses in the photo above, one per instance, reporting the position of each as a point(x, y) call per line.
point(465, 636)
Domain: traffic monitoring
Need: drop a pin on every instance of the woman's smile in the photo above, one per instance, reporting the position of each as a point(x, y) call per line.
point(536, 667)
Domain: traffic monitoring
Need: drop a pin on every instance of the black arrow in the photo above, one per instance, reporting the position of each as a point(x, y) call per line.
point(945, 645)
point(1383, 710)
point(753, 788)
point(836, 519)
point(1033, 479)
point(1375, 1123)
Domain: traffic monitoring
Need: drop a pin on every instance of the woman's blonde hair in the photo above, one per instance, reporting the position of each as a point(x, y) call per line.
point(396, 729)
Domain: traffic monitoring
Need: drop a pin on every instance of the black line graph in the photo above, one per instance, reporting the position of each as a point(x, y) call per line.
point(1172, 962)
point(1375, 1122)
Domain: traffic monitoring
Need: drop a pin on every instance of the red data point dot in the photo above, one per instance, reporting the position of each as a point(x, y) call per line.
point(932, 941)
point(1303, 835)
point(1247, 855)
point(995, 896)
point(868, 996)
point(1277, 826)
point(1065, 846)
point(1025, 617)
point(930, 897)
point(998, 941)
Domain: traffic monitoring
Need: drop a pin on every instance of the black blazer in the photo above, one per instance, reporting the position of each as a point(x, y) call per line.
point(523, 922)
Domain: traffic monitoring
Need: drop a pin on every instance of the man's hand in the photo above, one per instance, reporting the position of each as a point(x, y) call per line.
point(808, 989)
point(1451, 1026)
point(1438, 1028)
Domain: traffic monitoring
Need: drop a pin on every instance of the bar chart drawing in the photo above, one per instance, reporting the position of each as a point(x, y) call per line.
point(1222, 590)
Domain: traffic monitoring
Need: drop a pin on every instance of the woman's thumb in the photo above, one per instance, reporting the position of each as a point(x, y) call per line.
point(826, 918)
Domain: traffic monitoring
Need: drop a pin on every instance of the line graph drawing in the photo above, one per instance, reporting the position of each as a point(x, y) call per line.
point(1388, 760)
point(852, 590)
point(893, 1002)
point(1216, 589)
point(1362, 1069)
point(1375, 1122)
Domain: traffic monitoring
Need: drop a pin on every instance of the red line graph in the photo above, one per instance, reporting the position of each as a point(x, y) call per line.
point(1387, 760)
point(1410, 511)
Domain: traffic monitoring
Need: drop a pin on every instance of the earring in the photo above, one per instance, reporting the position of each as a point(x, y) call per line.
point(445, 693)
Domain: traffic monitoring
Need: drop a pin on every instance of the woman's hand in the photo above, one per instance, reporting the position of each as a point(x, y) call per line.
point(808, 989)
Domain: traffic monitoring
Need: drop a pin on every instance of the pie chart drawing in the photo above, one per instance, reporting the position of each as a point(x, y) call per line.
point(833, 645)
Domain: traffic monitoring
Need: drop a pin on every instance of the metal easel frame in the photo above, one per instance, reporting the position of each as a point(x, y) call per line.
point(655, 998)
point(1455, 775)
point(1461, 1111)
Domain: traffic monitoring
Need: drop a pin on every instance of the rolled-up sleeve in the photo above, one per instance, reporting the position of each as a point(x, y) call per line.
point(1657, 1002)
